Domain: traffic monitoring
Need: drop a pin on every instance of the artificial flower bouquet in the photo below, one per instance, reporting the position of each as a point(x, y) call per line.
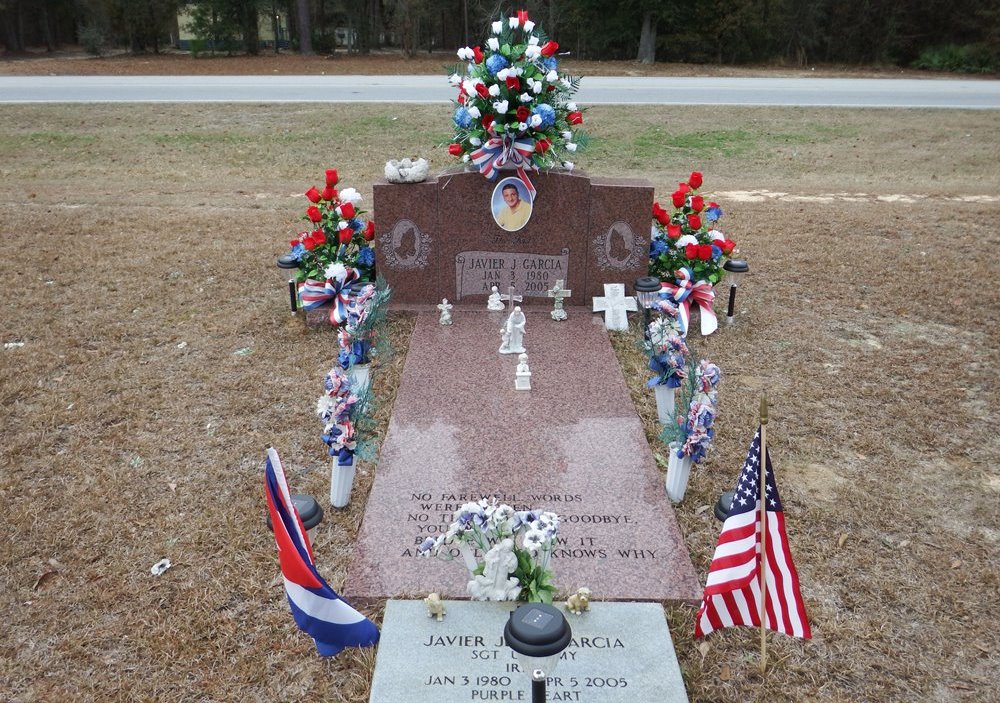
point(514, 106)
point(693, 433)
point(336, 408)
point(514, 545)
point(688, 236)
point(338, 233)
point(366, 314)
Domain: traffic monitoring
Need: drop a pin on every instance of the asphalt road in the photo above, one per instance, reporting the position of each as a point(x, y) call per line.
point(804, 92)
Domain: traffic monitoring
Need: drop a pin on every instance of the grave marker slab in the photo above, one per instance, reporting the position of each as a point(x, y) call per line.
point(620, 652)
point(574, 445)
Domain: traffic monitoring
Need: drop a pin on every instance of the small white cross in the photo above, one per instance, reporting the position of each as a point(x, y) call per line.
point(613, 305)
point(558, 293)
point(511, 298)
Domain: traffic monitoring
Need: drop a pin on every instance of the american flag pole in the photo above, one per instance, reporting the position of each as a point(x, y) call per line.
point(763, 533)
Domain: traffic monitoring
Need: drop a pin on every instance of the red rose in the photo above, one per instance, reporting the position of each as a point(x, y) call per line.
point(455, 149)
point(313, 195)
point(296, 242)
point(663, 218)
point(478, 53)
point(461, 97)
point(487, 122)
point(308, 243)
point(678, 198)
point(550, 89)
point(727, 246)
point(483, 91)
point(331, 177)
point(513, 83)
point(674, 231)
point(329, 193)
point(314, 214)
point(694, 222)
point(695, 179)
point(656, 209)
point(574, 117)
point(704, 252)
point(684, 188)
point(318, 237)
point(712, 204)
point(549, 48)
point(345, 235)
point(542, 145)
point(522, 17)
point(370, 231)
point(691, 251)
point(697, 203)
point(522, 114)
point(346, 210)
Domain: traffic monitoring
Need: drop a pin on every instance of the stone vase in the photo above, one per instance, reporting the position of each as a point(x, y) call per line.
point(678, 472)
point(341, 482)
point(359, 374)
point(665, 403)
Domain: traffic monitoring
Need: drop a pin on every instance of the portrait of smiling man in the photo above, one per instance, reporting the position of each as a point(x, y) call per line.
point(511, 209)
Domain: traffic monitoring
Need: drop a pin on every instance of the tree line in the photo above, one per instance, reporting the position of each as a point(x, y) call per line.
point(796, 32)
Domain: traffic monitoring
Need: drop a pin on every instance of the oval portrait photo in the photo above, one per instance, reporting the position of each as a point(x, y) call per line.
point(511, 204)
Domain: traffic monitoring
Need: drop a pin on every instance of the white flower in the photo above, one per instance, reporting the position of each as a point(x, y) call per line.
point(455, 79)
point(516, 70)
point(533, 540)
point(532, 52)
point(685, 240)
point(466, 54)
point(512, 22)
point(503, 73)
point(325, 406)
point(522, 126)
point(474, 112)
point(494, 90)
point(525, 97)
point(571, 106)
point(532, 40)
point(570, 146)
point(567, 135)
point(528, 26)
point(475, 141)
point(350, 195)
point(469, 87)
point(465, 158)
point(567, 84)
point(535, 121)
point(716, 235)
point(342, 225)
point(336, 271)
point(568, 165)
point(537, 87)
point(552, 76)
point(501, 106)
point(497, 27)
point(493, 43)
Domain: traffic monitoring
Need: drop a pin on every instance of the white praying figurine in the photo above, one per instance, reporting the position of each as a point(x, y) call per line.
point(522, 375)
point(513, 333)
point(445, 308)
point(494, 302)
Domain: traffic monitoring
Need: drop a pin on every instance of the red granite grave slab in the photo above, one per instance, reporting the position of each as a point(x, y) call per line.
point(573, 445)
point(439, 239)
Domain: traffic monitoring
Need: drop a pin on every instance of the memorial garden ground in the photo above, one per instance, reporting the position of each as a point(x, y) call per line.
point(137, 248)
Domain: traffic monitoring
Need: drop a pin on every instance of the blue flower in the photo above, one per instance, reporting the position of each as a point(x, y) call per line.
point(550, 63)
point(547, 113)
point(357, 225)
point(298, 251)
point(657, 247)
point(366, 257)
point(716, 252)
point(496, 63)
point(713, 214)
point(462, 118)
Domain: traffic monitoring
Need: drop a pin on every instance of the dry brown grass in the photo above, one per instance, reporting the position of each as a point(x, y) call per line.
point(127, 230)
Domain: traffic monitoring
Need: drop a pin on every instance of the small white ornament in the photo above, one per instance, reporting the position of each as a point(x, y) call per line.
point(445, 308)
point(614, 305)
point(522, 374)
point(406, 170)
point(557, 293)
point(494, 302)
point(512, 333)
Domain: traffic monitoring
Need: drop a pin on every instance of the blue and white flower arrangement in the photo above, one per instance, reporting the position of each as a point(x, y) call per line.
point(692, 434)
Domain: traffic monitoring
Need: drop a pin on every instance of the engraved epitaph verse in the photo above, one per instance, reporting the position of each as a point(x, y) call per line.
point(476, 272)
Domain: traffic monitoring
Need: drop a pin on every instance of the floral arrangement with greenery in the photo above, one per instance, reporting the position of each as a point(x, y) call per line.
point(693, 433)
point(515, 546)
point(514, 106)
point(688, 236)
point(338, 235)
point(359, 337)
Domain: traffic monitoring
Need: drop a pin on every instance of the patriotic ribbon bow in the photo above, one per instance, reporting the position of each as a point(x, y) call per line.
point(687, 290)
point(496, 152)
point(316, 293)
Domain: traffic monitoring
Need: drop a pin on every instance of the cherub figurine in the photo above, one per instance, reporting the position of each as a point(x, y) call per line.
point(445, 308)
point(494, 302)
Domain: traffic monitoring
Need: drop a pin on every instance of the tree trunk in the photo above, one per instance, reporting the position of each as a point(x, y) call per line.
point(647, 39)
point(305, 28)
point(274, 26)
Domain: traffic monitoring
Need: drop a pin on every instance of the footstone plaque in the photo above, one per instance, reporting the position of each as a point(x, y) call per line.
point(619, 652)
point(574, 445)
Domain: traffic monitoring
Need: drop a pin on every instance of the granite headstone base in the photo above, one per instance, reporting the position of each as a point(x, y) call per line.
point(620, 652)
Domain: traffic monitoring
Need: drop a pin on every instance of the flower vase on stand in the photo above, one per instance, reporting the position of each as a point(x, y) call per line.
point(665, 406)
point(359, 375)
point(678, 472)
point(341, 480)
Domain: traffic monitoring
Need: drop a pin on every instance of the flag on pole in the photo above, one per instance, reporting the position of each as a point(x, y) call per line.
point(732, 593)
point(317, 609)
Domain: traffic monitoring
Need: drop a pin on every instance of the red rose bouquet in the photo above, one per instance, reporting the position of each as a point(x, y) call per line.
point(337, 234)
point(687, 236)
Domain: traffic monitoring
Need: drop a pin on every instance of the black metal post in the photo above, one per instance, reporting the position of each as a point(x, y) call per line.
point(293, 297)
point(732, 303)
point(537, 686)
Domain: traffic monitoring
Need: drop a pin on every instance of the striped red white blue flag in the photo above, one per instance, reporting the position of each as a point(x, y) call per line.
point(732, 593)
point(317, 609)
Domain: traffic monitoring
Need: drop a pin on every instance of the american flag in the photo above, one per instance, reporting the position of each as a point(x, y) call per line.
point(732, 594)
point(317, 609)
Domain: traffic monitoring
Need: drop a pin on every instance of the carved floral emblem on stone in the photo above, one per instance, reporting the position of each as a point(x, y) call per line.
point(619, 248)
point(405, 246)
